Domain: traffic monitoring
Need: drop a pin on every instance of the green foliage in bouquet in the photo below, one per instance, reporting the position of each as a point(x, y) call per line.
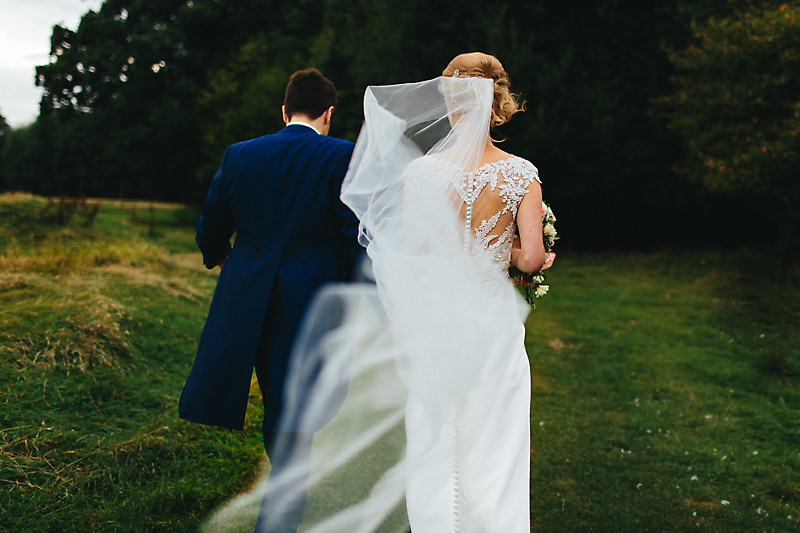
point(532, 283)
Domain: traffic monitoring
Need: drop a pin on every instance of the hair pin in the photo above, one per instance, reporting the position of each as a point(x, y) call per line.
point(456, 72)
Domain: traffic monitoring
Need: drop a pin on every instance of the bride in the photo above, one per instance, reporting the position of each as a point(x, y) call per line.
point(416, 388)
point(469, 452)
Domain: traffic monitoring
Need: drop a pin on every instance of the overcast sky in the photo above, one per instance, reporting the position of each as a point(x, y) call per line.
point(25, 29)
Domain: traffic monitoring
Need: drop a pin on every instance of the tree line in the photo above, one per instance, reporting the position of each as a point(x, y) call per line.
point(651, 123)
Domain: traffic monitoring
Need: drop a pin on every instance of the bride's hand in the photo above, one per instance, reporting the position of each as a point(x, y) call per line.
point(549, 260)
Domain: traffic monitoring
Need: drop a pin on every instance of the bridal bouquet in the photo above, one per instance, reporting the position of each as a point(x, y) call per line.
point(532, 284)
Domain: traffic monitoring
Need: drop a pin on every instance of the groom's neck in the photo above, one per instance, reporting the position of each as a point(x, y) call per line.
point(319, 123)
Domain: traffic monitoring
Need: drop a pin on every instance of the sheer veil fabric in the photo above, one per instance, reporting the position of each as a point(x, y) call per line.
point(415, 388)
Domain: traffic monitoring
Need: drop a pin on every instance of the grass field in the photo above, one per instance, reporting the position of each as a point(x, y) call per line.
point(665, 396)
point(664, 385)
point(98, 328)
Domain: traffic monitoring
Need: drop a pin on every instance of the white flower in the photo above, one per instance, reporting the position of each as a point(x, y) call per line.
point(725, 502)
point(549, 229)
point(539, 278)
point(541, 290)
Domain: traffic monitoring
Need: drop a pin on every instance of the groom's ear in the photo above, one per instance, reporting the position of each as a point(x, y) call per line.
point(328, 114)
point(283, 112)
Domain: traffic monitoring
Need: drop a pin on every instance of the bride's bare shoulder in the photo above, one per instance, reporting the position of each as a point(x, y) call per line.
point(493, 154)
point(502, 154)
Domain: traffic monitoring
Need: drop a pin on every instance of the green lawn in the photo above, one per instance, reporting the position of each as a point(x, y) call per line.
point(98, 328)
point(664, 393)
point(665, 396)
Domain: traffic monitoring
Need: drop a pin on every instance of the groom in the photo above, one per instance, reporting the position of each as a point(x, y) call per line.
point(280, 194)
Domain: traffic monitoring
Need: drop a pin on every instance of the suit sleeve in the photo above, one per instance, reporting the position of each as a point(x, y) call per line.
point(348, 223)
point(216, 223)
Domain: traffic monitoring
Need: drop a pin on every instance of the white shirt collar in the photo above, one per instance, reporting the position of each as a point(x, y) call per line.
point(306, 124)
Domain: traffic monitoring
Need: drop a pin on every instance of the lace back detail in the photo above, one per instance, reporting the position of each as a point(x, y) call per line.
point(491, 196)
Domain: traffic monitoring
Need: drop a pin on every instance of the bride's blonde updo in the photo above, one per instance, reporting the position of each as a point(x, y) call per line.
point(480, 65)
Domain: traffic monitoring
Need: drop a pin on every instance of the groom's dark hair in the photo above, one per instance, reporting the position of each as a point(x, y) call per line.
point(309, 93)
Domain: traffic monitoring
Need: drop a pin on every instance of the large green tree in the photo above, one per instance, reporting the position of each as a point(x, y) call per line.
point(736, 105)
point(129, 80)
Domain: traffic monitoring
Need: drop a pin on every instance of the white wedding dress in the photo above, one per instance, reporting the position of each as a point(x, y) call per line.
point(417, 387)
point(472, 457)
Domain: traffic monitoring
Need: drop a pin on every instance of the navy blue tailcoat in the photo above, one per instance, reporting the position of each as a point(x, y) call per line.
point(280, 194)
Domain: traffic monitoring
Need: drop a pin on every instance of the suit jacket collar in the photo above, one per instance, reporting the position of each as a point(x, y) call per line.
point(296, 128)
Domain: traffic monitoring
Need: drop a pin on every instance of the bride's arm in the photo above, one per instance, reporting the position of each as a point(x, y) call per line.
point(527, 252)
